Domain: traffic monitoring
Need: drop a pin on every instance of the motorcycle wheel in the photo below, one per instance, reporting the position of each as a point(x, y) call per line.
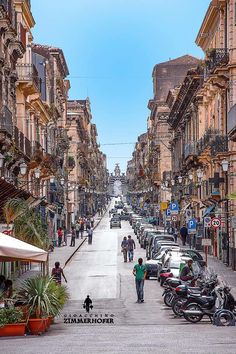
point(168, 298)
point(176, 307)
point(193, 318)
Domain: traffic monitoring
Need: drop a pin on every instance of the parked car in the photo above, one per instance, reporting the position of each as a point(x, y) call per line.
point(171, 265)
point(149, 228)
point(151, 242)
point(124, 216)
point(112, 211)
point(141, 229)
point(115, 222)
point(149, 234)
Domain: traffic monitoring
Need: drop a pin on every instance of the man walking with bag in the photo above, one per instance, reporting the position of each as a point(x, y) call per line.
point(131, 248)
point(139, 272)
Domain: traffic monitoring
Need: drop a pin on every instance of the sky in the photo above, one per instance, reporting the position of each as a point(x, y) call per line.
point(111, 47)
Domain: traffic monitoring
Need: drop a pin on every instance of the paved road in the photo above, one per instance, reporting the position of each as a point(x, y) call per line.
point(99, 270)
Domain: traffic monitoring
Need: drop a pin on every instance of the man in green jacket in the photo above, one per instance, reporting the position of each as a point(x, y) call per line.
point(139, 272)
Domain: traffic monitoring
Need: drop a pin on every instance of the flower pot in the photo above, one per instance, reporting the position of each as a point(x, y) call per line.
point(51, 319)
point(46, 323)
point(14, 329)
point(36, 325)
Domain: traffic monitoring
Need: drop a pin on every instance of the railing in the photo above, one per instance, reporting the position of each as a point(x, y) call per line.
point(4, 4)
point(37, 146)
point(218, 57)
point(190, 149)
point(28, 148)
point(6, 124)
point(21, 142)
point(214, 140)
point(16, 136)
point(28, 72)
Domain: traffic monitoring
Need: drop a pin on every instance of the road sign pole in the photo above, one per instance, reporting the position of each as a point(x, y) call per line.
point(206, 252)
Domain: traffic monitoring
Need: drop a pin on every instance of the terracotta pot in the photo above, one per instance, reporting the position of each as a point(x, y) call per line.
point(36, 325)
point(14, 329)
point(46, 323)
point(51, 319)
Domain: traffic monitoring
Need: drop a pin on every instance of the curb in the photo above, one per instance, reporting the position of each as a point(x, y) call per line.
point(68, 260)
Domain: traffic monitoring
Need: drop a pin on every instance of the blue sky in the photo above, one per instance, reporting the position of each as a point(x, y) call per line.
point(111, 47)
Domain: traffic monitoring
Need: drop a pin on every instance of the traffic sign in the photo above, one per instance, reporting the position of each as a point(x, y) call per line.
point(164, 205)
point(174, 218)
point(233, 222)
point(215, 222)
point(206, 242)
point(192, 226)
point(168, 212)
point(207, 221)
point(174, 208)
point(188, 214)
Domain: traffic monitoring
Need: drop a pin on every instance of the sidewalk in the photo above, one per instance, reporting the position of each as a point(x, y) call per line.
point(60, 254)
point(225, 274)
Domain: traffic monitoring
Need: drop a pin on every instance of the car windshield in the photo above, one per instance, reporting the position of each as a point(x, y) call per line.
point(175, 264)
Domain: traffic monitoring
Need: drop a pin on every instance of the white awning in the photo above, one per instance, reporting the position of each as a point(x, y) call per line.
point(12, 249)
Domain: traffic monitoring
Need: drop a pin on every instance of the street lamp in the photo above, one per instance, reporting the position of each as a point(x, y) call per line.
point(172, 182)
point(225, 165)
point(180, 179)
point(190, 176)
point(199, 173)
point(23, 168)
point(52, 179)
point(1, 160)
point(37, 173)
point(62, 180)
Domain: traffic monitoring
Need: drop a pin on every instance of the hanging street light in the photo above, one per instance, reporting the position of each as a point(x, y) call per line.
point(37, 173)
point(180, 179)
point(225, 165)
point(1, 160)
point(23, 168)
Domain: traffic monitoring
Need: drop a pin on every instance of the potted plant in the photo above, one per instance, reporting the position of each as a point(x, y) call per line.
point(41, 294)
point(10, 322)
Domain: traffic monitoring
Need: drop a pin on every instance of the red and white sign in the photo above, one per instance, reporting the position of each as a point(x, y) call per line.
point(174, 218)
point(215, 222)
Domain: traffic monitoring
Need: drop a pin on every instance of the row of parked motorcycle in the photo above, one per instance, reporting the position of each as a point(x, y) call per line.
point(166, 259)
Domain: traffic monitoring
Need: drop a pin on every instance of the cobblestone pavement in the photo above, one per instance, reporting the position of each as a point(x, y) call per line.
point(138, 328)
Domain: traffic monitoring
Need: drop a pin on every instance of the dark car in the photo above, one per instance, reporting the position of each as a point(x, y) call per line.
point(150, 247)
point(124, 216)
point(115, 222)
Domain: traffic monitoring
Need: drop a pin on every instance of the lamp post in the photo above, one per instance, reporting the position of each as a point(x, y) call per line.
point(225, 167)
point(23, 168)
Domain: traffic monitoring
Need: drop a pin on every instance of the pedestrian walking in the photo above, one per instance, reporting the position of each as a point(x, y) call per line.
point(131, 248)
point(124, 248)
point(88, 224)
point(92, 222)
point(77, 228)
point(57, 272)
point(73, 234)
point(59, 236)
point(90, 235)
point(184, 234)
point(175, 234)
point(140, 272)
point(81, 229)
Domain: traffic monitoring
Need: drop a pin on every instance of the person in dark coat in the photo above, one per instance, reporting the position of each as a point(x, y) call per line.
point(184, 234)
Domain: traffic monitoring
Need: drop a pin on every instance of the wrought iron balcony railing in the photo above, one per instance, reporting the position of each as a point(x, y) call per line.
point(214, 140)
point(6, 123)
point(190, 149)
point(218, 57)
point(28, 72)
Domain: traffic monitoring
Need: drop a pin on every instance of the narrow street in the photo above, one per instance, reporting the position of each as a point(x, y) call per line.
point(99, 270)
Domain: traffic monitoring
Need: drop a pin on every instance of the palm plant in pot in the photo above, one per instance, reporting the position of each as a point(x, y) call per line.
point(10, 322)
point(41, 294)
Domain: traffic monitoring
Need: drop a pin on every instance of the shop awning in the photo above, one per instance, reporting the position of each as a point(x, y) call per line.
point(209, 210)
point(12, 249)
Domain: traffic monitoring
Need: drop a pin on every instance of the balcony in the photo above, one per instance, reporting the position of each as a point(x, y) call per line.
point(28, 148)
point(231, 123)
point(218, 57)
point(6, 123)
point(37, 147)
point(28, 78)
point(214, 140)
point(190, 149)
